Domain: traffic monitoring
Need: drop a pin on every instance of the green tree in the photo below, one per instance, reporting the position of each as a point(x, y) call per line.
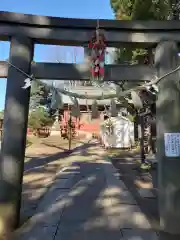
point(2, 114)
point(39, 118)
point(150, 10)
point(141, 10)
point(39, 96)
point(138, 10)
point(122, 8)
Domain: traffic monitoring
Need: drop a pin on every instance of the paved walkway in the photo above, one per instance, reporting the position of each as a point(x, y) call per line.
point(87, 202)
point(42, 166)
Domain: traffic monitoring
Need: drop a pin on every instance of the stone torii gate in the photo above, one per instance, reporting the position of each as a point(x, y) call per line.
point(23, 31)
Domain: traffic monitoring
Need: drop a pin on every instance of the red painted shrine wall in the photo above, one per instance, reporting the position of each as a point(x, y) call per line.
point(85, 124)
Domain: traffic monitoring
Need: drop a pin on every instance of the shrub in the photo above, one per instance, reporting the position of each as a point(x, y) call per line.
point(39, 118)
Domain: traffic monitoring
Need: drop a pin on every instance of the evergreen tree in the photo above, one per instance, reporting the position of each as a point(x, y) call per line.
point(40, 96)
point(38, 118)
point(139, 10)
point(2, 114)
point(40, 113)
point(174, 14)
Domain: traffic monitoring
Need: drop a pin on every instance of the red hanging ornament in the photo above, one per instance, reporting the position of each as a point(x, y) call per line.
point(97, 47)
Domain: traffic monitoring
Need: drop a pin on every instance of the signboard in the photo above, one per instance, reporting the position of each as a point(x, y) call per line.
point(172, 144)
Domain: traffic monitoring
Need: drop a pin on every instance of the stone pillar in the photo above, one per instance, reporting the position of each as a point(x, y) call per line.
point(142, 152)
point(153, 110)
point(153, 129)
point(55, 130)
point(87, 63)
point(168, 121)
point(14, 136)
point(136, 137)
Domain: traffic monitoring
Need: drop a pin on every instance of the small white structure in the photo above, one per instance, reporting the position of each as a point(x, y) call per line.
point(119, 135)
point(55, 130)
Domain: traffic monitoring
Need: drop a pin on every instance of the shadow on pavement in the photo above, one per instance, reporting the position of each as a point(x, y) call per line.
point(39, 176)
point(86, 208)
point(141, 186)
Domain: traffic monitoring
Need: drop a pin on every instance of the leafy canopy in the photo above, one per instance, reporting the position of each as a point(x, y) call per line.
point(138, 10)
point(141, 9)
point(39, 118)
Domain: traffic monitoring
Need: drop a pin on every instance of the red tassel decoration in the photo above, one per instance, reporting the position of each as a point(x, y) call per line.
point(97, 46)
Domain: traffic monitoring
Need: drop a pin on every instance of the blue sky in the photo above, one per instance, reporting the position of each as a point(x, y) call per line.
point(60, 8)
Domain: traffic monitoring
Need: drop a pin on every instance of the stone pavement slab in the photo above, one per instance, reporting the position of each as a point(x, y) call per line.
point(138, 234)
point(113, 215)
point(49, 209)
point(41, 169)
point(146, 193)
point(91, 204)
point(98, 231)
point(87, 217)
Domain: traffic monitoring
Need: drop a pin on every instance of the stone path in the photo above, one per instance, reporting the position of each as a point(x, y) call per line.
point(143, 187)
point(87, 201)
point(41, 166)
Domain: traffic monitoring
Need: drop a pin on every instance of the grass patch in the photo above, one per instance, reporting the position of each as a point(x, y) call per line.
point(58, 142)
point(106, 158)
point(28, 142)
point(51, 141)
point(123, 152)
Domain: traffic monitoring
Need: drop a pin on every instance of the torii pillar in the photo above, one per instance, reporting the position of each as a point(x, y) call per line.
point(14, 133)
point(168, 140)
